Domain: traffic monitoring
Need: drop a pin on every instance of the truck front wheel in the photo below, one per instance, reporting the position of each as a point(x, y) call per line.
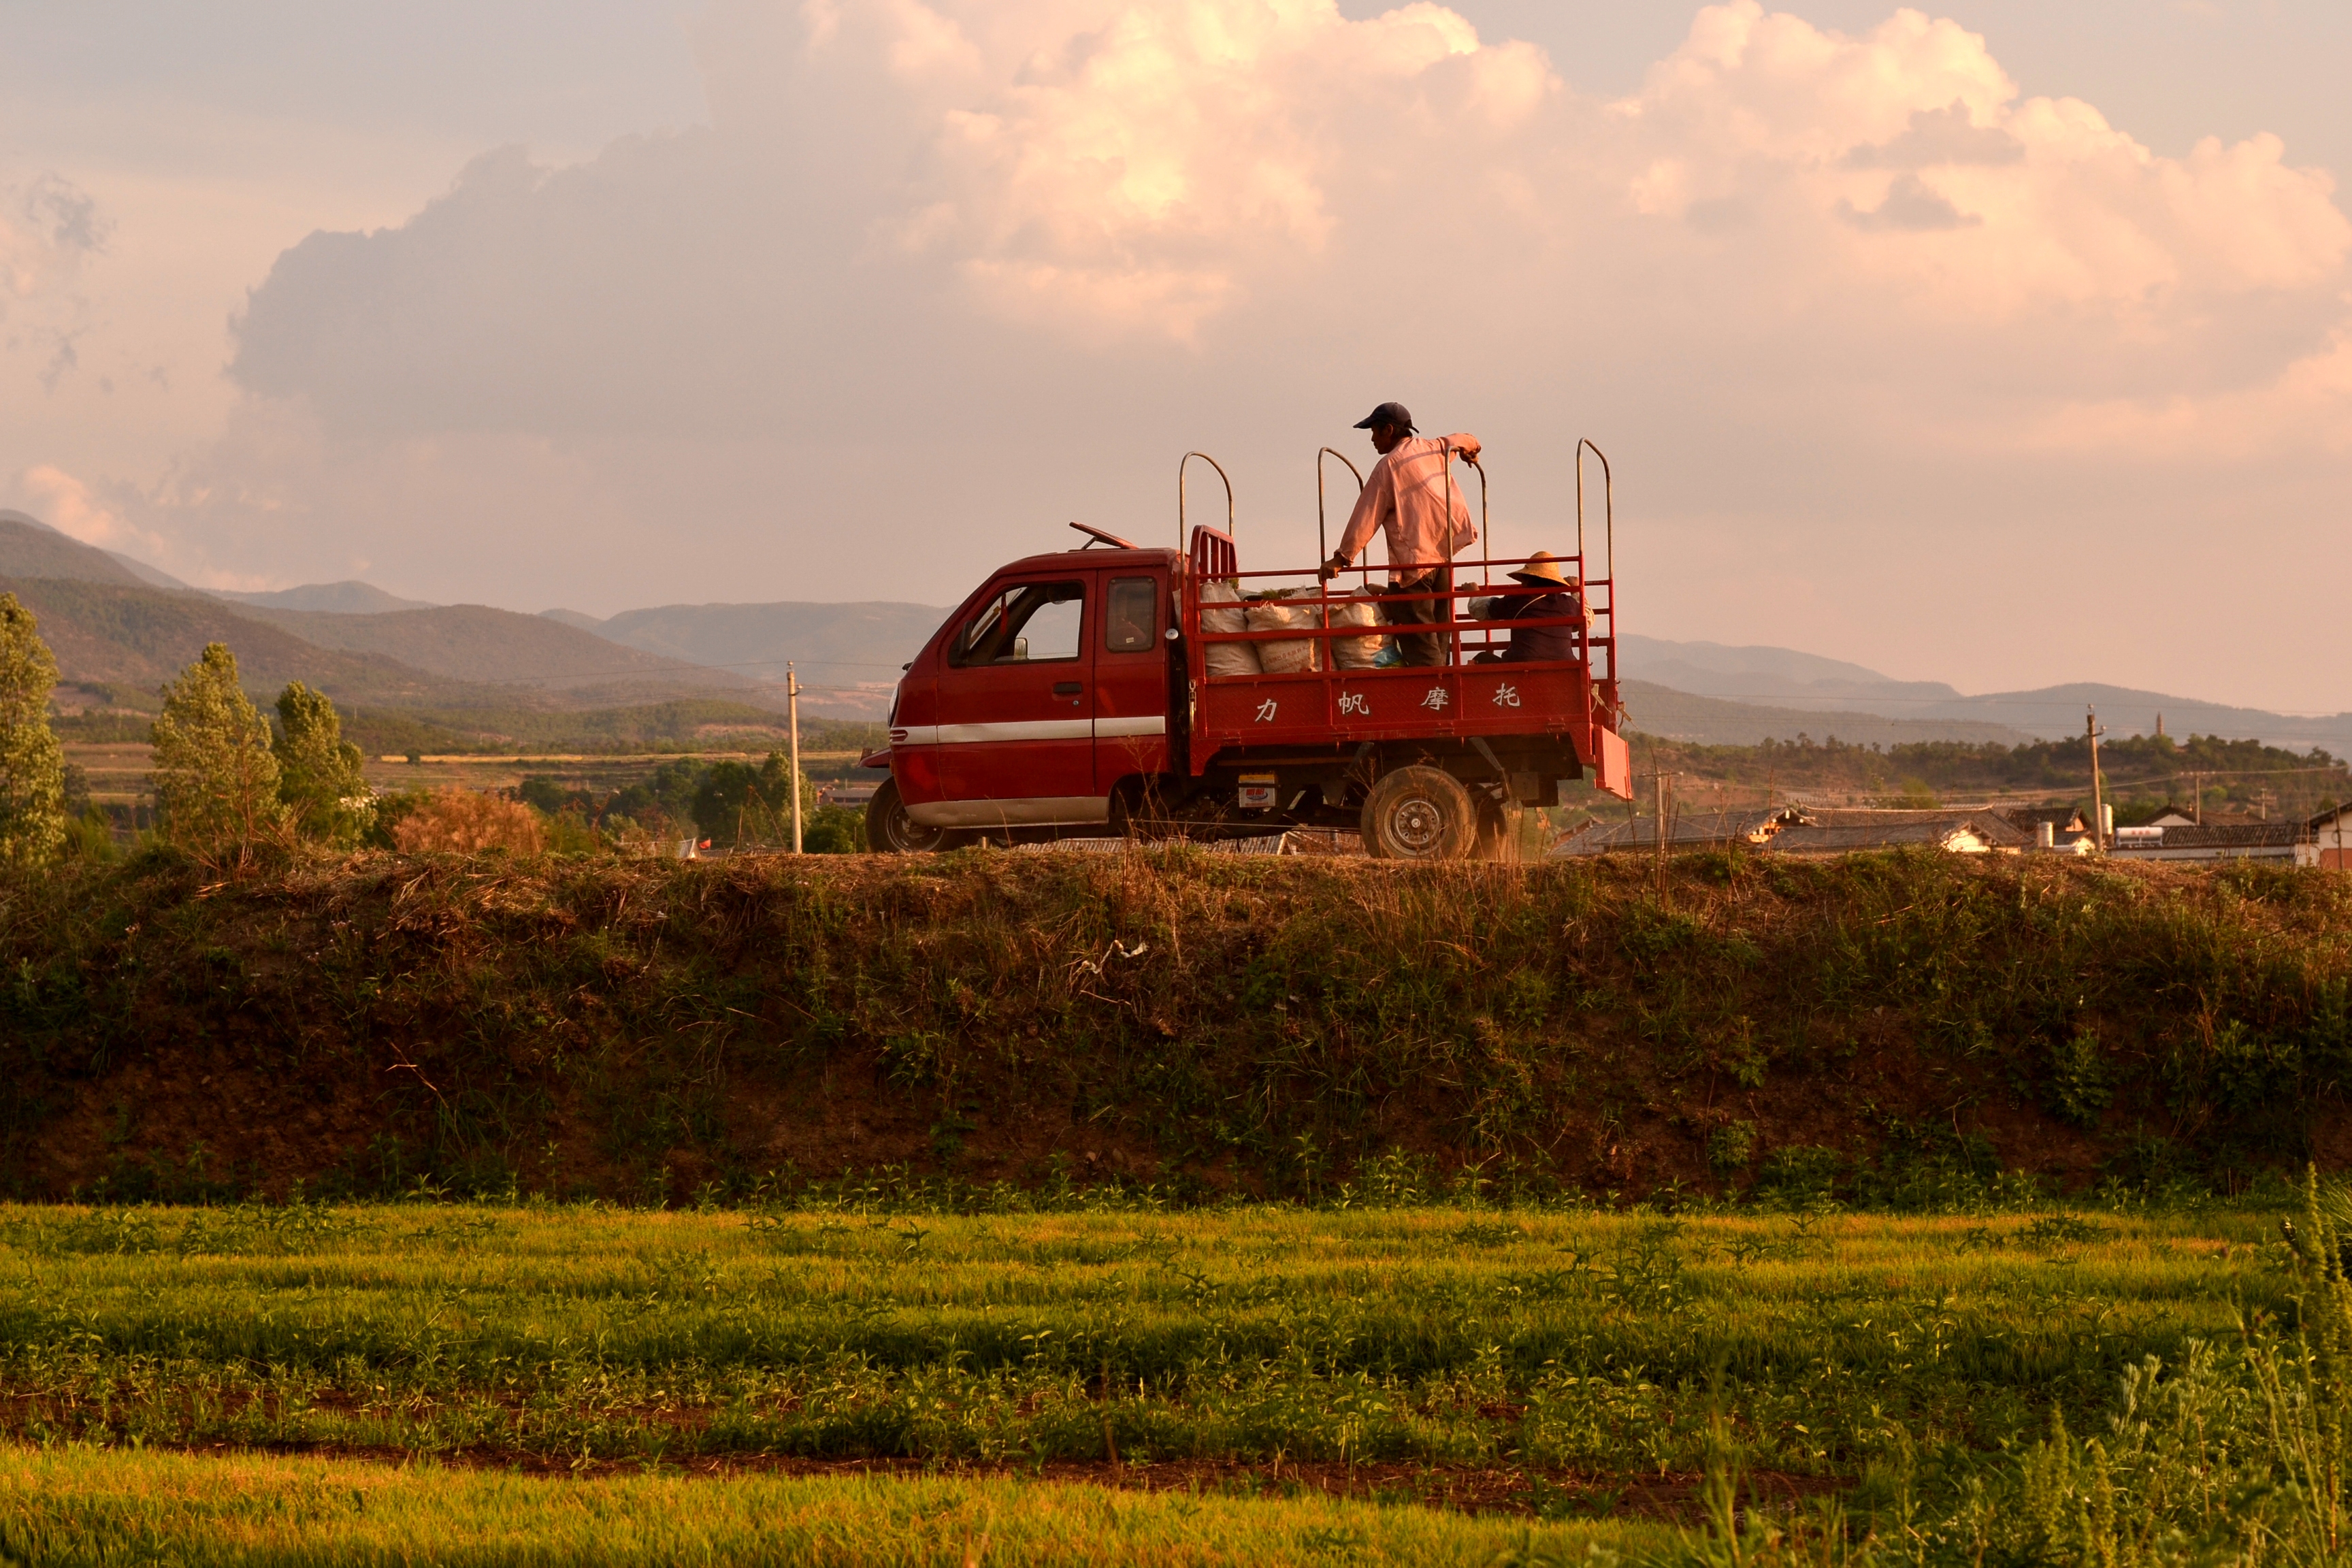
point(890, 831)
point(1420, 814)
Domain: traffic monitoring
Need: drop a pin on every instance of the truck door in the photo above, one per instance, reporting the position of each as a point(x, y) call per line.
point(1131, 676)
point(1016, 707)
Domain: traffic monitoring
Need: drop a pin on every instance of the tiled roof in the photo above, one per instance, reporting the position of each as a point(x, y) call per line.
point(2224, 835)
point(2026, 818)
point(1994, 827)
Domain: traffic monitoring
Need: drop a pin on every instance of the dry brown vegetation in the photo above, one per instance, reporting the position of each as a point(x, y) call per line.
point(454, 821)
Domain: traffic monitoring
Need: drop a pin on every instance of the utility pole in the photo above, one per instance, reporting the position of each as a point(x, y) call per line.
point(793, 709)
point(2098, 791)
point(2196, 782)
point(1661, 783)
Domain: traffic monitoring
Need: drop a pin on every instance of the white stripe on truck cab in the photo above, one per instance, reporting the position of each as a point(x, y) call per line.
point(1024, 730)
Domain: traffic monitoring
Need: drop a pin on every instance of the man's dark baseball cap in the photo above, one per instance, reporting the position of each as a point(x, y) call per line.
point(1388, 414)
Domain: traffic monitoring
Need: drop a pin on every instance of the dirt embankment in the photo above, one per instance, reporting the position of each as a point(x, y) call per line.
point(1890, 1024)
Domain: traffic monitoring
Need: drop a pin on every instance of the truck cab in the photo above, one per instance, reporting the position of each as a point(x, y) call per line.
point(1046, 692)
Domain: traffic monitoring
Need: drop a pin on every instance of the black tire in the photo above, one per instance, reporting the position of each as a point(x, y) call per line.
point(1420, 814)
point(890, 831)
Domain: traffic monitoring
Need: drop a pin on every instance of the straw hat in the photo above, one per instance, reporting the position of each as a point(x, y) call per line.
point(1543, 566)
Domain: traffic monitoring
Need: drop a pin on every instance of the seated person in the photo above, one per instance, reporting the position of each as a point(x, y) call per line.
point(1558, 597)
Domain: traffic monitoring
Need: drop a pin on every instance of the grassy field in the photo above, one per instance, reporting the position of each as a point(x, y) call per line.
point(1273, 1384)
point(83, 1506)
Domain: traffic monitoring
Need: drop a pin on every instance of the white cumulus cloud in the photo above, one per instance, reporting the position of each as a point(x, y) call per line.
point(937, 270)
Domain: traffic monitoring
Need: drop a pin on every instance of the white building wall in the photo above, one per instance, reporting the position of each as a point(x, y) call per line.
point(2333, 842)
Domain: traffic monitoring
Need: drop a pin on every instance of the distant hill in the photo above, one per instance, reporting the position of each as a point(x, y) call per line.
point(365, 640)
point(152, 576)
point(138, 636)
point(494, 662)
point(575, 619)
point(1771, 675)
point(1673, 715)
point(31, 548)
point(1779, 677)
point(2055, 712)
point(503, 648)
point(832, 644)
point(347, 598)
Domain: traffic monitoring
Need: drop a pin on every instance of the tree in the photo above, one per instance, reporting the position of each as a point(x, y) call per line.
point(738, 802)
point(319, 777)
point(215, 778)
point(32, 765)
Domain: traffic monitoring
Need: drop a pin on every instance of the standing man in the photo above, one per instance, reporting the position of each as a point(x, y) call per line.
point(1411, 496)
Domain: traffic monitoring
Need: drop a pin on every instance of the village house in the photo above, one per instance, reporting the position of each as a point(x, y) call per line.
point(2289, 842)
point(2331, 837)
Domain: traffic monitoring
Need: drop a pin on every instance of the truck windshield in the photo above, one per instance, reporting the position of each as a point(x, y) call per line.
point(1028, 623)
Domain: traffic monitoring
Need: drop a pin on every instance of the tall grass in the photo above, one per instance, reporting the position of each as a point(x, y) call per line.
point(2235, 1451)
point(73, 1506)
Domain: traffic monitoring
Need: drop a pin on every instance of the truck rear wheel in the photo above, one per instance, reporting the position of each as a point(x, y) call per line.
point(890, 831)
point(1420, 814)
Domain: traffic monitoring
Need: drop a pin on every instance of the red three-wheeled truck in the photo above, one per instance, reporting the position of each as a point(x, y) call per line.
point(1115, 689)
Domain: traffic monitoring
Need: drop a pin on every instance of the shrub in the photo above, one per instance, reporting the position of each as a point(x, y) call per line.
point(834, 830)
point(455, 821)
point(90, 837)
point(391, 810)
point(1801, 1174)
point(216, 777)
point(32, 765)
point(2078, 1080)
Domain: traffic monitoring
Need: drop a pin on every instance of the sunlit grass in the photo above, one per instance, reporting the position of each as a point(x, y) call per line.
point(77, 1505)
point(1278, 1386)
point(1589, 1343)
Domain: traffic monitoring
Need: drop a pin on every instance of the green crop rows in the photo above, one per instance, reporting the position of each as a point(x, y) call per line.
point(1532, 1370)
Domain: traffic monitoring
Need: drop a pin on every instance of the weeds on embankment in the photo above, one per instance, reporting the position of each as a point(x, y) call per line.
point(1898, 1028)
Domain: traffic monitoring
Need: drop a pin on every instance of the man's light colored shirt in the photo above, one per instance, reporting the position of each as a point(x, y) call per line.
point(1406, 496)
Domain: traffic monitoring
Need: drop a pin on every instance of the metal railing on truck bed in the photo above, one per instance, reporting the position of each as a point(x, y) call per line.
point(1334, 695)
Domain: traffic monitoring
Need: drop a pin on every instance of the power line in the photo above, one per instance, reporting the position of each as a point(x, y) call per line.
point(648, 674)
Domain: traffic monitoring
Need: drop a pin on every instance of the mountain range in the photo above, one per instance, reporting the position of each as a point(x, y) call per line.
point(121, 627)
point(1828, 687)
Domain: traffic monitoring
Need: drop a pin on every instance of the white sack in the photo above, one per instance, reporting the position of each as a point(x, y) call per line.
point(1226, 658)
point(1293, 655)
point(1356, 653)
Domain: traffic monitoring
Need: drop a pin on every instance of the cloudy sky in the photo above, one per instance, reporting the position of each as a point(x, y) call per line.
point(2002, 343)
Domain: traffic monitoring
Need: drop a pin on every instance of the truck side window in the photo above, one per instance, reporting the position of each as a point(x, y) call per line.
point(1129, 620)
point(1029, 623)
